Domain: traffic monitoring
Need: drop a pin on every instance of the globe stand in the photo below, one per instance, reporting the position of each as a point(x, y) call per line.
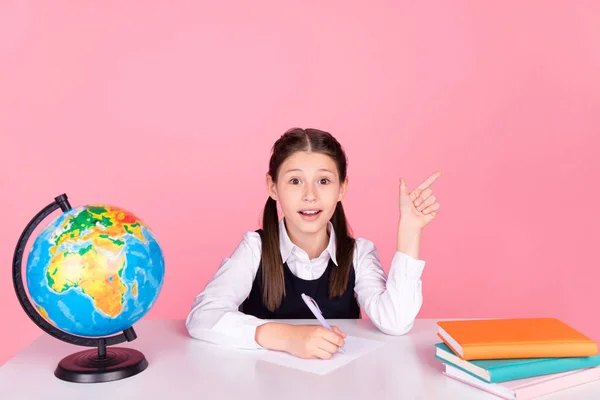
point(101, 365)
point(88, 366)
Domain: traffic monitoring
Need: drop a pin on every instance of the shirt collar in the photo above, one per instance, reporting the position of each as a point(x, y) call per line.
point(286, 246)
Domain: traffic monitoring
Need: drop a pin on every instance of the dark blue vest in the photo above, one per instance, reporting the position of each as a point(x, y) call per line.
point(293, 307)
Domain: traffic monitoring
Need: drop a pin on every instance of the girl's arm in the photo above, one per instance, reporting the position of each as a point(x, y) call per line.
point(393, 302)
point(409, 239)
point(214, 316)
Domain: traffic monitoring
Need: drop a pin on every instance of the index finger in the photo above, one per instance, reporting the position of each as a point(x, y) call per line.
point(338, 331)
point(333, 337)
point(429, 181)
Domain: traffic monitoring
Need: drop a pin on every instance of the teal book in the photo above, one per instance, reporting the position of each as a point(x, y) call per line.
point(502, 370)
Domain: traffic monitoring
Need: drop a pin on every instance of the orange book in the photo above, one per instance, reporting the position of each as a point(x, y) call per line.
point(514, 338)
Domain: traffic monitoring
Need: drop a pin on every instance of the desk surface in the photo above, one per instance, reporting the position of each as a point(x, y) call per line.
point(183, 368)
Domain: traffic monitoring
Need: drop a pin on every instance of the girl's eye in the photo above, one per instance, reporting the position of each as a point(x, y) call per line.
point(294, 181)
point(324, 181)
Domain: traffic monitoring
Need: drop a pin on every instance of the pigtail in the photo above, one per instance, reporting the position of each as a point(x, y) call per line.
point(272, 265)
point(344, 252)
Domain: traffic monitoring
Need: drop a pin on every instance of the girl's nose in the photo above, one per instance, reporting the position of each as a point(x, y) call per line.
point(309, 194)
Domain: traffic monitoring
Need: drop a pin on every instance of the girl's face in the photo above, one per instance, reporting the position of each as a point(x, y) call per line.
point(307, 189)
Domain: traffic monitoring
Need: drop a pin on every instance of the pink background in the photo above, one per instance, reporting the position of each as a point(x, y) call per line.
point(169, 109)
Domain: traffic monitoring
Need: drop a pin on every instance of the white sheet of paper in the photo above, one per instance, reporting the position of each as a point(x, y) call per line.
point(355, 347)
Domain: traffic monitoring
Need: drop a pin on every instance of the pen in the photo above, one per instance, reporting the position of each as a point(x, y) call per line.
point(314, 308)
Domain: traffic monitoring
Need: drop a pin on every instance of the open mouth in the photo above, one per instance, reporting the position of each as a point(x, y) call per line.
point(310, 213)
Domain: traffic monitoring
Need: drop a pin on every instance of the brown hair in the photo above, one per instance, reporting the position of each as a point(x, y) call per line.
point(294, 140)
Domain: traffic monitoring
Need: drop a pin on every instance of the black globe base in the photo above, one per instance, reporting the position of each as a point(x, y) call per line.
point(88, 367)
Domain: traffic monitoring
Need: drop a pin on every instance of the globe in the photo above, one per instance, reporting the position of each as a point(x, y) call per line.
point(94, 270)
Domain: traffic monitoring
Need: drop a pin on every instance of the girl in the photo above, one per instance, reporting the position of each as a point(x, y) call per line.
point(310, 250)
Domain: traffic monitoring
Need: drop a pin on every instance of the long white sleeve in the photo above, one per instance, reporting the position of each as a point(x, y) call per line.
point(214, 316)
point(391, 303)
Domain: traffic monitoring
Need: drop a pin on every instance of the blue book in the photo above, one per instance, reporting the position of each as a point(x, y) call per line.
point(508, 369)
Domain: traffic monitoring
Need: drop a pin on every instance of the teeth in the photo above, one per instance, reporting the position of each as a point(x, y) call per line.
point(309, 212)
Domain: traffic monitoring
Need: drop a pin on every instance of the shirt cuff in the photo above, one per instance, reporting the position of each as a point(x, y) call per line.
point(238, 330)
point(405, 266)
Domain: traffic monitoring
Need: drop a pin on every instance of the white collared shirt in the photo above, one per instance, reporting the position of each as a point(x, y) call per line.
point(391, 303)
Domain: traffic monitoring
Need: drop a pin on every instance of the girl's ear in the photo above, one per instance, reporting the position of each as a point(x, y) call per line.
point(271, 188)
point(343, 189)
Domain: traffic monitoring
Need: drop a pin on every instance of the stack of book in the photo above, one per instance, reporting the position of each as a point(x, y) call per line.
point(519, 358)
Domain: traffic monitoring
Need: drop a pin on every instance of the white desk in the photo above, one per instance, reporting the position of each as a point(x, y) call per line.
point(183, 368)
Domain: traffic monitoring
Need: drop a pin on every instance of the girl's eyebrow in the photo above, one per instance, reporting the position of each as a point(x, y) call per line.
point(299, 170)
